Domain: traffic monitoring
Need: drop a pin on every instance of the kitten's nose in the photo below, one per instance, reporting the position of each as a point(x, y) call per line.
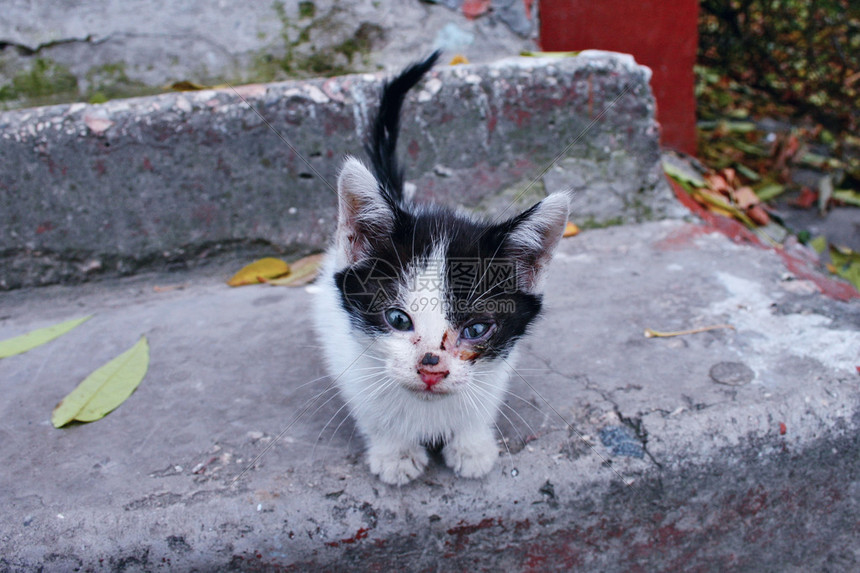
point(430, 359)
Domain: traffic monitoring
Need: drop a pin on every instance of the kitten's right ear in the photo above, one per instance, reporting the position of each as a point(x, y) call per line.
point(363, 215)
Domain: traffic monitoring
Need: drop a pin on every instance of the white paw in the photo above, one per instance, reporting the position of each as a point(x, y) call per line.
point(397, 466)
point(471, 458)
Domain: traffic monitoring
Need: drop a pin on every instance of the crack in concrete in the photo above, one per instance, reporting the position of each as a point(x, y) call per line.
point(638, 426)
point(26, 50)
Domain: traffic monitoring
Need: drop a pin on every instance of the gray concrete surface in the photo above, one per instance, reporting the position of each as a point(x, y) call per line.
point(174, 180)
point(724, 450)
point(51, 50)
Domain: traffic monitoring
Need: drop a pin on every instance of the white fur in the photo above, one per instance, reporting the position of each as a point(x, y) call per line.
point(378, 375)
point(540, 233)
point(396, 418)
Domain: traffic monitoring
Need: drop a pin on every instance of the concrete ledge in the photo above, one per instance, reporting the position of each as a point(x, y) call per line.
point(168, 181)
point(619, 452)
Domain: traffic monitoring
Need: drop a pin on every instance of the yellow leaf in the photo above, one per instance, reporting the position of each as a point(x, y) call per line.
point(106, 388)
point(31, 340)
point(302, 272)
point(259, 271)
point(458, 59)
point(570, 230)
point(187, 86)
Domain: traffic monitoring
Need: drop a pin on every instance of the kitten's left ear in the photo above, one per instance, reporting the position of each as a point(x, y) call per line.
point(533, 237)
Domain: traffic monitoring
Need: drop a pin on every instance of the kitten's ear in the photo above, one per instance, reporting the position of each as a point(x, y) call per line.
point(533, 237)
point(363, 214)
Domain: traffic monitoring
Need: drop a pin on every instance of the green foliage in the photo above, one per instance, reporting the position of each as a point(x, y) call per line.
point(43, 80)
point(804, 53)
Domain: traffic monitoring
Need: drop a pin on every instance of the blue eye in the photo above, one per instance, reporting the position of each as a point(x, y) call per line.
point(476, 330)
point(397, 319)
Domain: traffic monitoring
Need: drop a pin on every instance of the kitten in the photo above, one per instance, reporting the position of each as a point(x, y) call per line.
point(420, 308)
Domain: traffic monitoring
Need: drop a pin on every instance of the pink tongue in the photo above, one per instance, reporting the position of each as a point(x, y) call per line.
point(432, 378)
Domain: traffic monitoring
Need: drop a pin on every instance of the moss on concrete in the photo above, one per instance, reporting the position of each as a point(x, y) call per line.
point(45, 82)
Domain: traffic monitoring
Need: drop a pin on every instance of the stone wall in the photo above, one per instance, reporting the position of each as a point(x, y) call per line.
point(172, 180)
point(54, 52)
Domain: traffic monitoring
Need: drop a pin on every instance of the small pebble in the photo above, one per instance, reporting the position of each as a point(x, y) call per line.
point(515, 472)
point(731, 373)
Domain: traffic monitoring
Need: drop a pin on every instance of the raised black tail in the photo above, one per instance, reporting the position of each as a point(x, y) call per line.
point(382, 143)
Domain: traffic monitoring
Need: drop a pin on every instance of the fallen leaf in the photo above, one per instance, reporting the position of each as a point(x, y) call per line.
point(187, 86)
point(458, 59)
point(105, 389)
point(682, 173)
point(570, 230)
point(259, 271)
point(848, 197)
point(807, 198)
point(302, 272)
point(758, 214)
point(30, 340)
point(818, 244)
point(769, 191)
point(745, 197)
point(825, 192)
point(846, 264)
point(531, 54)
point(747, 172)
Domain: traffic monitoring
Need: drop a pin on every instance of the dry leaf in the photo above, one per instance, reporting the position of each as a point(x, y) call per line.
point(570, 230)
point(458, 59)
point(31, 340)
point(745, 197)
point(259, 271)
point(758, 214)
point(302, 272)
point(105, 389)
point(187, 86)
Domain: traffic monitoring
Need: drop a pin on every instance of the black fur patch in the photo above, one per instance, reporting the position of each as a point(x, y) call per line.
point(482, 283)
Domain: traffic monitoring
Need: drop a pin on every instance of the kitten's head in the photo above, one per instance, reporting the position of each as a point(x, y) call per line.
point(445, 296)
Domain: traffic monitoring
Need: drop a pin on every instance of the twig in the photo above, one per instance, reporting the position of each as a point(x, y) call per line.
point(655, 334)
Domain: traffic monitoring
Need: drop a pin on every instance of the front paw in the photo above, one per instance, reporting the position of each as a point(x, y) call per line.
point(471, 458)
point(397, 465)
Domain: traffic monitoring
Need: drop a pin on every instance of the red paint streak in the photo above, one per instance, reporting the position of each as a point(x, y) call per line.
point(801, 267)
point(474, 8)
point(362, 533)
point(413, 149)
point(680, 239)
point(491, 123)
point(520, 116)
point(205, 213)
point(44, 227)
point(528, 5)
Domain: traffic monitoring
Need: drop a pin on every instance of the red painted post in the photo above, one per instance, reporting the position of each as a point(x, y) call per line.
point(661, 34)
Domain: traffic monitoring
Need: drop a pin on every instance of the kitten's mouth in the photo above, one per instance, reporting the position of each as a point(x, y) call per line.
point(431, 383)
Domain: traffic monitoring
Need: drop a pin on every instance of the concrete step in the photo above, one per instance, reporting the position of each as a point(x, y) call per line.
point(176, 180)
point(734, 448)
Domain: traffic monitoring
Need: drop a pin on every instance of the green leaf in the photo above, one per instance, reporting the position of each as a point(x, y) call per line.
point(819, 244)
point(747, 172)
point(104, 389)
point(682, 173)
point(847, 264)
point(769, 191)
point(25, 342)
point(847, 196)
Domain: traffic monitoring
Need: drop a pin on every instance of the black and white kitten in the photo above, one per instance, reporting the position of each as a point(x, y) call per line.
point(420, 308)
